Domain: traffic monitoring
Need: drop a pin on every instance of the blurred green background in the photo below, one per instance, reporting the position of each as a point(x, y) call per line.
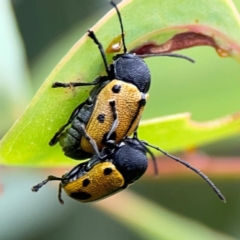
point(208, 89)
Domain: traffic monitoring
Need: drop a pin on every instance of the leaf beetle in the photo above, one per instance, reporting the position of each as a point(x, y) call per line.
point(105, 174)
point(116, 160)
point(112, 170)
point(115, 104)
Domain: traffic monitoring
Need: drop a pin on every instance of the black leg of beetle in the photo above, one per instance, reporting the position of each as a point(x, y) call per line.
point(38, 186)
point(49, 178)
point(60, 194)
point(115, 118)
point(55, 138)
point(90, 140)
point(76, 84)
point(142, 103)
point(92, 35)
point(135, 135)
point(186, 164)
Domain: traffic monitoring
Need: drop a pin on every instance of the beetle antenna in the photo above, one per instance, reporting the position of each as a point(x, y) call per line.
point(167, 55)
point(186, 164)
point(121, 25)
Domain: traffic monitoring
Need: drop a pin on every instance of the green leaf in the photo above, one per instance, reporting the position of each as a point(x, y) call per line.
point(179, 132)
point(164, 24)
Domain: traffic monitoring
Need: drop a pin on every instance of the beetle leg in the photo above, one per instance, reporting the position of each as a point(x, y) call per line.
point(90, 140)
point(115, 118)
point(77, 84)
point(60, 194)
point(55, 138)
point(49, 178)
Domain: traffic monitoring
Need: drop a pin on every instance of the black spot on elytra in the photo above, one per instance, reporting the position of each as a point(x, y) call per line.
point(85, 182)
point(116, 88)
point(107, 171)
point(81, 195)
point(101, 118)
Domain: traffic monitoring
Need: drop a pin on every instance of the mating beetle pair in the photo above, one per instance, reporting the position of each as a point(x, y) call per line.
point(104, 123)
